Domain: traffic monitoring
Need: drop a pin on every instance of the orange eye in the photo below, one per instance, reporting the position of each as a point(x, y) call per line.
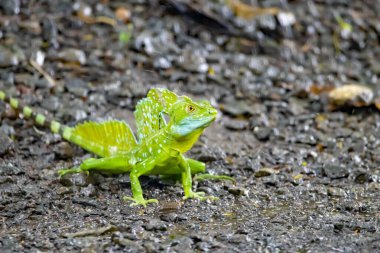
point(190, 108)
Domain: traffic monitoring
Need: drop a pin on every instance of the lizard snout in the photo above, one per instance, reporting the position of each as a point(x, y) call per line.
point(212, 111)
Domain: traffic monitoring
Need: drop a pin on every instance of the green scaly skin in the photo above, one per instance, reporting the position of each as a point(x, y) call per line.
point(159, 150)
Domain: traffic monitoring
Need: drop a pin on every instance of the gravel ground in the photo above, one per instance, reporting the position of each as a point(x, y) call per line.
point(306, 162)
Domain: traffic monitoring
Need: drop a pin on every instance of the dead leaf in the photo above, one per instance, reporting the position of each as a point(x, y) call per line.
point(92, 232)
point(123, 14)
point(247, 12)
point(198, 15)
point(351, 94)
point(319, 89)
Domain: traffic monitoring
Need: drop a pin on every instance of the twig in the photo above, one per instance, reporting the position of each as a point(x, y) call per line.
point(92, 232)
point(42, 72)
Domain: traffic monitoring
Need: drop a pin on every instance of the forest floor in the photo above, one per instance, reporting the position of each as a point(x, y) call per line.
point(307, 171)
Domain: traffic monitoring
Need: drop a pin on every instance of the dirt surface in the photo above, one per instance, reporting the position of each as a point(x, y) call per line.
point(308, 177)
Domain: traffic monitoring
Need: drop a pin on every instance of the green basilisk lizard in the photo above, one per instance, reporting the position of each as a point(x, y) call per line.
point(160, 146)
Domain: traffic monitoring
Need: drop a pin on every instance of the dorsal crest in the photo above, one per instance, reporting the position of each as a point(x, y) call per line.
point(149, 111)
point(105, 138)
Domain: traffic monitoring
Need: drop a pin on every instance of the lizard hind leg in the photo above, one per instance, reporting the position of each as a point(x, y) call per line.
point(199, 167)
point(206, 176)
point(109, 165)
point(185, 167)
point(63, 172)
point(81, 168)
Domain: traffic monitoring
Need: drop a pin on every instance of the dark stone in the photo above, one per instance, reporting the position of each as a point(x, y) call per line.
point(334, 171)
point(10, 169)
point(77, 179)
point(6, 143)
point(64, 150)
point(10, 7)
point(78, 87)
point(262, 133)
point(155, 224)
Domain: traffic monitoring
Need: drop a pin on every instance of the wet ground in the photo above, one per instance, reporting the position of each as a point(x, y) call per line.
point(307, 169)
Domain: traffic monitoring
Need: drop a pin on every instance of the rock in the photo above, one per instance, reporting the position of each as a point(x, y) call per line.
point(156, 224)
point(362, 178)
point(286, 18)
point(78, 179)
point(262, 133)
point(64, 190)
point(236, 108)
point(267, 22)
point(240, 238)
point(211, 154)
point(51, 103)
point(6, 143)
point(193, 61)
point(238, 191)
point(182, 217)
point(204, 246)
point(8, 58)
point(264, 172)
point(334, 171)
point(258, 64)
point(181, 244)
point(336, 192)
point(162, 63)
point(151, 44)
point(10, 7)
point(236, 124)
point(25, 78)
point(50, 31)
point(64, 150)
point(89, 191)
point(9, 169)
point(306, 139)
point(72, 55)
point(169, 217)
point(39, 57)
point(85, 202)
point(128, 244)
point(10, 243)
point(77, 86)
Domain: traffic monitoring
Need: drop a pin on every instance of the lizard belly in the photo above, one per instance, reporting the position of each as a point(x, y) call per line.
point(167, 167)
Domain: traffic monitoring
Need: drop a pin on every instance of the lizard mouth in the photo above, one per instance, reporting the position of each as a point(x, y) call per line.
point(202, 122)
point(191, 125)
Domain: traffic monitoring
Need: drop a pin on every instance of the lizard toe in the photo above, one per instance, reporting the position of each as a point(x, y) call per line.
point(199, 195)
point(139, 201)
point(63, 172)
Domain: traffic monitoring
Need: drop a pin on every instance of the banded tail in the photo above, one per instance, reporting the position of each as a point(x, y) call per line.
point(104, 139)
point(39, 119)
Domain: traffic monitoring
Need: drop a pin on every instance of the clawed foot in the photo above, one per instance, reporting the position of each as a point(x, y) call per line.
point(63, 172)
point(84, 167)
point(139, 201)
point(199, 195)
point(201, 177)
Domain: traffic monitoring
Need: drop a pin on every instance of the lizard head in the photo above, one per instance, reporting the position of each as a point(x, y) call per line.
point(188, 118)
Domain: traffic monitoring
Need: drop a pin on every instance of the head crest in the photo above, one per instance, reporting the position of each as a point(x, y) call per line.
point(164, 97)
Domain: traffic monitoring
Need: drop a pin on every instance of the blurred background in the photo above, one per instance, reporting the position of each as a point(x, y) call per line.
point(295, 82)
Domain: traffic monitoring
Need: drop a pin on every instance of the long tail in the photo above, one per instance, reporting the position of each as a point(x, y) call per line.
point(39, 119)
point(104, 139)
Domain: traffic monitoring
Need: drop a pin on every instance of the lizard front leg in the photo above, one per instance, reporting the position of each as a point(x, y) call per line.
point(187, 182)
point(139, 169)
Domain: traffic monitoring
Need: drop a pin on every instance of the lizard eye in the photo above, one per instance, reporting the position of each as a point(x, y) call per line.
point(190, 108)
